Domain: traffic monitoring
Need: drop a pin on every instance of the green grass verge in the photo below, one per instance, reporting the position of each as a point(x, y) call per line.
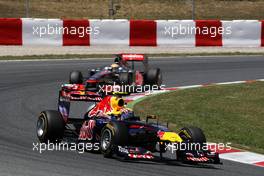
point(226, 113)
point(85, 56)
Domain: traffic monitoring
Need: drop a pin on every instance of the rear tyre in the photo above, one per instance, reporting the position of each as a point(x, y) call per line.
point(153, 77)
point(76, 77)
point(50, 126)
point(112, 135)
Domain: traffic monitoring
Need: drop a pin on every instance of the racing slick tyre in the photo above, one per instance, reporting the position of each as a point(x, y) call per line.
point(112, 135)
point(50, 126)
point(193, 135)
point(76, 77)
point(153, 77)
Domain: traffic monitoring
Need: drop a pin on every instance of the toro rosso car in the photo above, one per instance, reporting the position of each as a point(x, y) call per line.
point(127, 69)
point(118, 131)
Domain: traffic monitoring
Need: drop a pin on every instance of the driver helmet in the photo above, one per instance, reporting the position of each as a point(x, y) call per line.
point(117, 104)
point(117, 59)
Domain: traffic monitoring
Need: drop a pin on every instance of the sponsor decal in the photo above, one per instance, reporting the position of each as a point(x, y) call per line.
point(141, 156)
point(202, 159)
point(123, 150)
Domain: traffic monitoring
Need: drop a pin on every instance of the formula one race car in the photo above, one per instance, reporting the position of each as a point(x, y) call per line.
point(124, 71)
point(118, 131)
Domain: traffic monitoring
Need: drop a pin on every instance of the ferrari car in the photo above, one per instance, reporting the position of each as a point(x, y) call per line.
point(117, 130)
point(127, 69)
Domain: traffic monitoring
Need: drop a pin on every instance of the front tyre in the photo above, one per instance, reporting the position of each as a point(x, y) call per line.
point(76, 77)
point(193, 135)
point(107, 143)
point(50, 126)
point(112, 135)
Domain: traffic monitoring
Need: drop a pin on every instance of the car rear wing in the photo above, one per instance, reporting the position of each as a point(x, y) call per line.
point(74, 95)
point(77, 92)
point(133, 57)
point(124, 57)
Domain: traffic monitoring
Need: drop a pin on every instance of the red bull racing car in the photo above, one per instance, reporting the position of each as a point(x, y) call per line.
point(127, 69)
point(118, 131)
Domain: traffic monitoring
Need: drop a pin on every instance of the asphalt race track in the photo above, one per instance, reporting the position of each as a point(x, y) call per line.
point(26, 88)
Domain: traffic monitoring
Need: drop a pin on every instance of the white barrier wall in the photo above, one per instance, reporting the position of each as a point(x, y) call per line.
point(174, 32)
point(181, 33)
point(109, 32)
point(41, 32)
point(244, 33)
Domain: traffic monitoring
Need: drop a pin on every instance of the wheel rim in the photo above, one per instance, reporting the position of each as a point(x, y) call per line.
point(40, 127)
point(106, 139)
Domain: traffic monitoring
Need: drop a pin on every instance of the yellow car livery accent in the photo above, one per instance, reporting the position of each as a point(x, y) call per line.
point(171, 136)
point(82, 92)
point(117, 104)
